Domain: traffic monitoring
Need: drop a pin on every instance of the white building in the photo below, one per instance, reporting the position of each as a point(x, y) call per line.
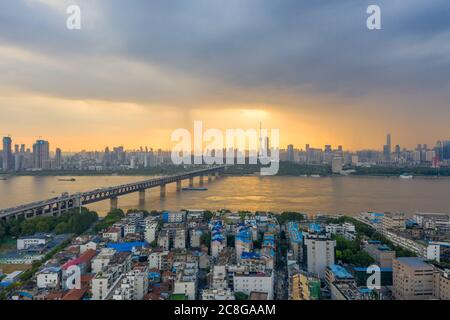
point(101, 285)
point(150, 230)
point(179, 241)
point(346, 229)
point(319, 254)
point(434, 252)
point(132, 286)
point(174, 217)
point(158, 260)
point(23, 243)
point(254, 282)
point(217, 294)
point(112, 234)
point(219, 279)
point(217, 246)
point(393, 220)
point(88, 246)
point(101, 261)
point(336, 164)
point(195, 238)
point(163, 240)
point(186, 282)
point(49, 278)
point(129, 228)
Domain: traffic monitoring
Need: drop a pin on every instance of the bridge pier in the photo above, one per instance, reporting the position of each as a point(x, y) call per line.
point(60, 205)
point(162, 192)
point(114, 203)
point(59, 209)
point(141, 196)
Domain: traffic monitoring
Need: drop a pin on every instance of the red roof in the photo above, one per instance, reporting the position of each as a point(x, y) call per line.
point(87, 256)
point(54, 296)
point(75, 294)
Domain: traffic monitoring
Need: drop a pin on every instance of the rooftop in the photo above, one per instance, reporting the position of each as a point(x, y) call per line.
point(340, 272)
point(413, 262)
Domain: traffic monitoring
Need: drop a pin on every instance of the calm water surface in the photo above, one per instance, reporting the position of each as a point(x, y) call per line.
point(343, 195)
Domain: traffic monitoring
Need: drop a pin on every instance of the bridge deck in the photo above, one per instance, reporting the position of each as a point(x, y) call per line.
point(105, 193)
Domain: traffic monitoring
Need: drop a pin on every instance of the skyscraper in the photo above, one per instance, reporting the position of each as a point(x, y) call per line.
point(387, 148)
point(7, 154)
point(290, 153)
point(41, 154)
point(58, 158)
point(446, 150)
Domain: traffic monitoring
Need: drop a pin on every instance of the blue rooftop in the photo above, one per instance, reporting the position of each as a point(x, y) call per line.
point(126, 246)
point(375, 214)
point(363, 269)
point(296, 236)
point(314, 227)
point(250, 255)
point(340, 272)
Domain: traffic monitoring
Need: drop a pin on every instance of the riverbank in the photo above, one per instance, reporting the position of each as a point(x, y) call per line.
point(286, 169)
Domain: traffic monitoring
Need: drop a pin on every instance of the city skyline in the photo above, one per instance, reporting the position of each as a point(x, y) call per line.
point(388, 148)
point(117, 83)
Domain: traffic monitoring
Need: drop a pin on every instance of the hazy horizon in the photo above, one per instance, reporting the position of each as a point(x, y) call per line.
point(137, 71)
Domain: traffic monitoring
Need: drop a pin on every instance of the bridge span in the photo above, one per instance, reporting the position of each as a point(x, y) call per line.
point(65, 202)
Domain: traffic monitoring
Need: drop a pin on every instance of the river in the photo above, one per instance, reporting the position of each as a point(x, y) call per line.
point(333, 195)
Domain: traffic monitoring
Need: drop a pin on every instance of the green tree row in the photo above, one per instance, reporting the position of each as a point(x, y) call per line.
point(370, 233)
point(75, 221)
point(112, 217)
point(290, 216)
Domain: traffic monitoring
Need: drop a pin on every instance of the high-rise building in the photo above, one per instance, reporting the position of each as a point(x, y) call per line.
point(413, 279)
point(7, 154)
point(41, 154)
point(319, 253)
point(58, 158)
point(336, 164)
point(290, 153)
point(387, 148)
point(446, 150)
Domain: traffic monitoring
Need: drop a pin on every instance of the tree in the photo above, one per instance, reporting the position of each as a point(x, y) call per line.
point(42, 226)
point(205, 238)
point(28, 227)
point(290, 216)
point(62, 227)
point(230, 240)
point(2, 231)
point(207, 216)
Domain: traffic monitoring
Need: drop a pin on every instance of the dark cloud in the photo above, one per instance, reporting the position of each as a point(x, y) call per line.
point(252, 49)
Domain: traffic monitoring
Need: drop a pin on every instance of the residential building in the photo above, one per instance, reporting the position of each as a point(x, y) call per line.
point(393, 221)
point(319, 253)
point(413, 279)
point(217, 294)
point(248, 282)
point(382, 254)
point(49, 278)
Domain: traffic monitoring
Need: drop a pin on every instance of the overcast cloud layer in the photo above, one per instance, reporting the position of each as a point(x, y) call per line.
point(186, 53)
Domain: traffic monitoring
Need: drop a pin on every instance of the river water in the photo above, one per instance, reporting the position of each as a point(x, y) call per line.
point(333, 195)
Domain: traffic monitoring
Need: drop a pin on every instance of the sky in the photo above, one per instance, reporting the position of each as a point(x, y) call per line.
point(137, 70)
